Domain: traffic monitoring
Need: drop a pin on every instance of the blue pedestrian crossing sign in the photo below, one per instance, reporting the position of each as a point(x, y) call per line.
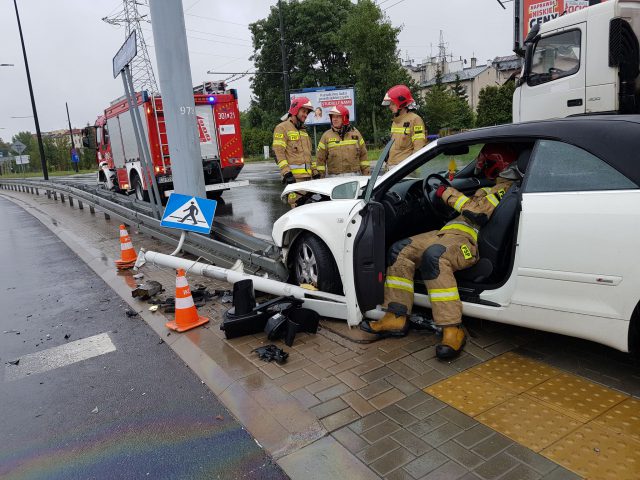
point(193, 214)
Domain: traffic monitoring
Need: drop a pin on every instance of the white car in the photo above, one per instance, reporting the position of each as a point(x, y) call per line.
point(559, 254)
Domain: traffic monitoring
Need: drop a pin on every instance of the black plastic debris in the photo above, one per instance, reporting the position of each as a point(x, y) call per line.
point(131, 313)
point(66, 337)
point(256, 320)
point(269, 353)
point(419, 322)
point(14, 362)
point(147, 290)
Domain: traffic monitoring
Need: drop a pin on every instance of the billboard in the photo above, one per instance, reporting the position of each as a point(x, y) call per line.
point(527, 13)
point(323, 98)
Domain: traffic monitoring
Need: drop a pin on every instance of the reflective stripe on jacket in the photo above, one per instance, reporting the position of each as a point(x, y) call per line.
point(292, 148)
point(409, 135)
point(338, 155)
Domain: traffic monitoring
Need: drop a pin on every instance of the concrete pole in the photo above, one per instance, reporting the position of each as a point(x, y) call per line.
point(176, 87)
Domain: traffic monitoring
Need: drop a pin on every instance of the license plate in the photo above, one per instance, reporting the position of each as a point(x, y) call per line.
point(165, 179)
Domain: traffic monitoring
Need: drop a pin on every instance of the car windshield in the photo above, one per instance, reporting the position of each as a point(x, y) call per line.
point(443, 162)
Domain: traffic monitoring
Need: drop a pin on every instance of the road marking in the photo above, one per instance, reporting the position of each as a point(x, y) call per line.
point(60, 356)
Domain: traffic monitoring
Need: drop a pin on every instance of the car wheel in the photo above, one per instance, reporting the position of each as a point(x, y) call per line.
point(312, 263)
point(136, 185)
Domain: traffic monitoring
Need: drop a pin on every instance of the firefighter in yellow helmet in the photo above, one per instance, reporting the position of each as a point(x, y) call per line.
point(407, 130)
point(440, 253)
point(292, 146)
point(341, 150)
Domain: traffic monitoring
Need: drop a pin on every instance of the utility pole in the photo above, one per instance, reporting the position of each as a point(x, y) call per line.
point(285, 67)
point(176, 86)
point(43, 160)
point(73, 147)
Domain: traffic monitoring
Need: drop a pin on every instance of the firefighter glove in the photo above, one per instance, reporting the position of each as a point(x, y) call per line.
point(440, 191)
point(288, 179)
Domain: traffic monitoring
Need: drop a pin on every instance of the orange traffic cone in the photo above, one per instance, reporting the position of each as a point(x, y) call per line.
point(128, 255)
point(186, 312)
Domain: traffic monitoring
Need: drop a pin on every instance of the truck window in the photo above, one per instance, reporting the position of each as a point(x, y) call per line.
point(560, 167)
point(106, 135)
point(554, 57)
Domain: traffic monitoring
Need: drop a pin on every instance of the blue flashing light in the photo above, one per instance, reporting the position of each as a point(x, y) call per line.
point(212, 99)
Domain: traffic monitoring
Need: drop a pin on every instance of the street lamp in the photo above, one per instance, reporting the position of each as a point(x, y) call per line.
point(43, 160)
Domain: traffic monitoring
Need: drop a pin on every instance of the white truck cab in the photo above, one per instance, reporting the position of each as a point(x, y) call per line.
point(584, 62)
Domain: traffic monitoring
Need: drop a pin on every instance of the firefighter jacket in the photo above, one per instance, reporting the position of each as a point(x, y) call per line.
point(339, 154)
point(474, 211)
point(292, 148)
point(409, 135)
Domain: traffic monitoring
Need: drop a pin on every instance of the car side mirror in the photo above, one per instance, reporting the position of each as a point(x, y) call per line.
point(346, 191)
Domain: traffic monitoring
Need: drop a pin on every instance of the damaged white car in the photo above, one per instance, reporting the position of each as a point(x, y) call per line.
point(558, 254)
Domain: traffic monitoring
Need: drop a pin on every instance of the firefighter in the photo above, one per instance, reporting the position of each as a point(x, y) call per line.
point(440, 253)
point(292, 147)
point(341, 150)
point(407, 130)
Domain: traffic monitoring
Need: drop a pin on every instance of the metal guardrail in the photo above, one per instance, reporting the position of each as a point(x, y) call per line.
point(258, 256)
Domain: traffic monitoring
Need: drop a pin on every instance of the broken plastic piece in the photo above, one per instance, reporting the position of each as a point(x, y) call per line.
point(147, 290)
point(131, 313)
point(95, 410)
point(154, 308)
point(418, 322)
point(269, 353)
point(14, 362)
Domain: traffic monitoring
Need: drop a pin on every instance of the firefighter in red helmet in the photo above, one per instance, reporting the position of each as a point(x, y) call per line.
point(341, 150)
point(407, 130)
point(440, 253)
point(292, 146)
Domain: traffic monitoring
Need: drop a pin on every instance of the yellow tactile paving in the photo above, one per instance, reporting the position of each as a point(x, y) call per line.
point(596, 453)
point(623, 418)
point(587, 428)
point(576, 397)
point(528, 422)
point(469, 393)
point(515, 372)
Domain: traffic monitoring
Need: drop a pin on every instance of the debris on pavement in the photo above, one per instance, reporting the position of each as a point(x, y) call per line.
point(147, 290)
point(66, 337)
point(269, 353)
point(153, 308)
point(131, 313)
point(138, 275)
point(12, 331)
point(95, 410)
point(14, 362)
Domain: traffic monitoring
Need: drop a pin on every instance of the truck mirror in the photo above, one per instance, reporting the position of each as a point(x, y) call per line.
point(533, 33)
point(528, 60)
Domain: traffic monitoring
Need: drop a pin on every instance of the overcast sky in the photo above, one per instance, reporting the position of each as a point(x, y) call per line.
point(70, 48)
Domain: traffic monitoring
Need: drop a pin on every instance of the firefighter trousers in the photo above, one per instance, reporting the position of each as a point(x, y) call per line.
point(437, 255)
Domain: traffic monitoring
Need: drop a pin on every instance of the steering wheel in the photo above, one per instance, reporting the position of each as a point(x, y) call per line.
point(435, 205)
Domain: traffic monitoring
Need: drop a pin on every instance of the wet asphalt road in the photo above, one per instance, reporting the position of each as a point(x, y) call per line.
point(134, 412)
point(252, 209)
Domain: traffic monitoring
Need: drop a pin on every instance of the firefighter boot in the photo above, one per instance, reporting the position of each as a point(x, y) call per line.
point(453, 339)
point(391, 325)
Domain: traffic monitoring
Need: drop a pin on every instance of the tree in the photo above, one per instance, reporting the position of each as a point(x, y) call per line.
point(315, 56)
point(458, 89)
point(439, 106)
point(495, 105)
point(370, 43)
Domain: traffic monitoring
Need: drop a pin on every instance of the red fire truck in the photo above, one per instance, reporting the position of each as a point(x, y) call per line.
point(120, 168)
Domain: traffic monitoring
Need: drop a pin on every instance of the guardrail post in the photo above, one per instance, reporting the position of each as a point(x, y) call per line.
point(49, 194)
point(107, 216)
point(80, 206)
point(37, 191)
point(70, 201)
point(62, 197)
point(92, 210)
point(55, 195)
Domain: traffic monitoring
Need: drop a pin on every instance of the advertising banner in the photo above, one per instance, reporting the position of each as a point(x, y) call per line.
point(531, 12)
point(323, 98)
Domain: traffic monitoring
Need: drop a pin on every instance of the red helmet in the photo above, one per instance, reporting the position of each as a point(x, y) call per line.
point(494, 158)
point(296, 104)
point(400, 95)
point(341, 111)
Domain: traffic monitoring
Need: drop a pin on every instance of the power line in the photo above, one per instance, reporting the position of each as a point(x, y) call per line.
point(216, 19)
point(210, 40)
point(397, 3)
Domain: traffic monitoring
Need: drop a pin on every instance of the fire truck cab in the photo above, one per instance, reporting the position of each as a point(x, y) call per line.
point(118, 158)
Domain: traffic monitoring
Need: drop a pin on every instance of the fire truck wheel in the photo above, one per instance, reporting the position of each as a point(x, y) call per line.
point(136, 184)
point(312, 263)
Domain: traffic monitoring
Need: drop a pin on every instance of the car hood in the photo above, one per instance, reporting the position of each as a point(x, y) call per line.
point(323, 186)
